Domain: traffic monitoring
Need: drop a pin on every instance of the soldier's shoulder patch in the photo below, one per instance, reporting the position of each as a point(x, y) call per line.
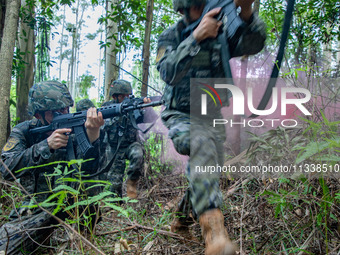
point(160, 53)
point(11, 143)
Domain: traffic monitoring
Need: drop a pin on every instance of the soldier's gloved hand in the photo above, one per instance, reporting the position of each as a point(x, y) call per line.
point(58, 138)
point(208, 27)
point(93, 123)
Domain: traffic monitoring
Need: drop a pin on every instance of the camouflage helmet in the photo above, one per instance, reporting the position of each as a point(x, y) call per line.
point(120, 87)
point(183, 4)
point(48, 96)
point(84, 104)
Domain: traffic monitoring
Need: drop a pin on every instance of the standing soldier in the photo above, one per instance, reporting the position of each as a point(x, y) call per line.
point(124, 144)
point(199, 56)
point(46, 99)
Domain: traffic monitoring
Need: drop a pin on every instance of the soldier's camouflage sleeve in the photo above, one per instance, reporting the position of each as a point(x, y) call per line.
point(174, 61)
point(17, 153)
point(251, 40)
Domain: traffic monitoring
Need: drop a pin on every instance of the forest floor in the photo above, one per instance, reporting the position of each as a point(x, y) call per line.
point(293, 223)
point(263, 215)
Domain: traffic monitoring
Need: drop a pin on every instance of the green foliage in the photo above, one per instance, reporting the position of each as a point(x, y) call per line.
point(324, 142)
point(158, 223)
point(315, 23)
point(9, 195)
point(309, 203)
point(42, 48)
point(131, 16)
point(276, 145)
point(154, 148)
point(288, 201)
point(12, 106)
point(281, 200)
point(77, 197)
point(86, 82)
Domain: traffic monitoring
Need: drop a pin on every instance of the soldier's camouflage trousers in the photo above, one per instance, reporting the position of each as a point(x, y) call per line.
point(28, 228)
point(135, 154)
point(204, 145)
point(25, 233)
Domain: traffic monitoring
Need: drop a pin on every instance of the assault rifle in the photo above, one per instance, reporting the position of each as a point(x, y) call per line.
point(232, 25)
point(228, 15)
point(131, 107)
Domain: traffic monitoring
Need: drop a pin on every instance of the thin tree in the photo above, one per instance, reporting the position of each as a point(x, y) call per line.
point(73, 60)
point(6, 63)
point(26, 47)
point(61, 57)
point(146, 47)
point(111, 70)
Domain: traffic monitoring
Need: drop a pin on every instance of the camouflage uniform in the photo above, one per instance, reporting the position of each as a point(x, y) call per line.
point(177, 62)
point(24, 150)
point(84, 104)
point(119, 131)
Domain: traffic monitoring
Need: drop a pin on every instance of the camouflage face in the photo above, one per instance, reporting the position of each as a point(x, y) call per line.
point(48, 96)
point(184, 4)
point(84, 104)
point(120, 87)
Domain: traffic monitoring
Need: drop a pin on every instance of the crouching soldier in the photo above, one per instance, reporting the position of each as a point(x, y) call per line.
point(46, 100)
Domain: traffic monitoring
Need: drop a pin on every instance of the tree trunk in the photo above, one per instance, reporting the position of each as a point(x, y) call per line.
point(6, 62)
point(25, 78)
point(2, 17)
point(62, 44)
point(100, 63)
point(79, 23)
point(111, 70)
point(73, 61)
point(146, 47)
point(337, 74)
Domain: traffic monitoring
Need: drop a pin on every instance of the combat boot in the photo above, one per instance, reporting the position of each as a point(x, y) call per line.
point(131, 188)
point(180, 227)
point(215, 235)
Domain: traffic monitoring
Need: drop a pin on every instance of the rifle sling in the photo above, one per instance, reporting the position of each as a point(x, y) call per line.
point(275, 72)
point(108, 166)
point(134, 124)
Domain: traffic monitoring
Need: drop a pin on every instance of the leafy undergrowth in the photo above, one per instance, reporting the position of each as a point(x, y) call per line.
point(274, 217)
point(280, 216)
point(295, 214)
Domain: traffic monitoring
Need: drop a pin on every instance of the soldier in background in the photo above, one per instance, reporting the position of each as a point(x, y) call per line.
point(199, 56)
point(123, 144)
point(24, 150)
point(84, 104)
